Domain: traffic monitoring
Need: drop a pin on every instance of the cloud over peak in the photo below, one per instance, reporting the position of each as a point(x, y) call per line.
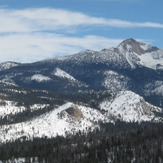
point(36, 33)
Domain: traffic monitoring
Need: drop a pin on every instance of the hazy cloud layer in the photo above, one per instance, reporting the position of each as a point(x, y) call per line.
point(34, 47)
point(34, 34)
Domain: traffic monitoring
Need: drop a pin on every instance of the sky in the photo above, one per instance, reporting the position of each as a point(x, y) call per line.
point(33, 30)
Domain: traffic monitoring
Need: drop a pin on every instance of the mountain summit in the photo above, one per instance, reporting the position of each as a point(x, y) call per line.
point(138, 53)
point(131, 45)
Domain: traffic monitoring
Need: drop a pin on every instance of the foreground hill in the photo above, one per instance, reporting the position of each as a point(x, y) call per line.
point(47, 116)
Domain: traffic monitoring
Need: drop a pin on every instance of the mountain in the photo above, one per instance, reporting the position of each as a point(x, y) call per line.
point(132, 66)
point(71, 118)
point(79, 92)
point(142, 54)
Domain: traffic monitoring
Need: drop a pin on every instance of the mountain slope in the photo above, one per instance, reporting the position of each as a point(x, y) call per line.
point(135, 64)
point(8, 65)
point(130, 107)
point(56, 122)
point(71, 118)
point(66, 95)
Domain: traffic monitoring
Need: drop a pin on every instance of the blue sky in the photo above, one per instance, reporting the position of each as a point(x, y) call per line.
point(32, 30)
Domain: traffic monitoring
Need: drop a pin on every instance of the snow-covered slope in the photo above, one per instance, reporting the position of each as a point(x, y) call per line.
point(60, 73)
point(114, 81)
point(142, 54)
point(108, 56)
point(71, 118)
point(154, 88)
point(12, 108)
point(8, 81)
point(84, 77)
point(56, 122)
point(153, 59)
point(7, 65)
point(40, 78)
point(70, 79)
point(130, 107)
point(9, 107)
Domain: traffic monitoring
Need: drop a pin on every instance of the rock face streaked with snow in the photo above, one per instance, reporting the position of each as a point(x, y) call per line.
point(141, 54)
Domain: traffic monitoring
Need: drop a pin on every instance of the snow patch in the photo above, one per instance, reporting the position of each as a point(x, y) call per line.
point(40, 78)
point(152, 59)
point(158, 90)
point(9, 107)
point(38, 106)
point(60, 73)
point(145, 46)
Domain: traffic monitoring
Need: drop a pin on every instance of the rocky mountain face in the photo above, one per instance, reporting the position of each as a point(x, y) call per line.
point(65, 95)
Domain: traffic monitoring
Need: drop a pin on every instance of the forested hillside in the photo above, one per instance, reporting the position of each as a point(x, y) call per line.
point(121, 142)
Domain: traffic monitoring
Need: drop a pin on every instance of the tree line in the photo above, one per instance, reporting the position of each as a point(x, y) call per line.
point(114, 143)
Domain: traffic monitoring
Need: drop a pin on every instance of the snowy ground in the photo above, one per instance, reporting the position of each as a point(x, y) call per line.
point(56, 122)
point(130, 107)
point(125, 106)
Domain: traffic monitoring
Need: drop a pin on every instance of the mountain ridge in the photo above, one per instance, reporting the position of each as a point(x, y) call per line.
point(60, 121)
point(106, 86)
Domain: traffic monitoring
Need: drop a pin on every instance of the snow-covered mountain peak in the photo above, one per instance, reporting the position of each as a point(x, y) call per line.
point(137, 53)
point(129, 53)
point(131, 45)
point(134, 46)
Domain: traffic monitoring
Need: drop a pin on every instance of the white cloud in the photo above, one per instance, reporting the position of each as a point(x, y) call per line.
point(122, 23)
point(29, 35)
point(33, 47)
point(29, 20)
